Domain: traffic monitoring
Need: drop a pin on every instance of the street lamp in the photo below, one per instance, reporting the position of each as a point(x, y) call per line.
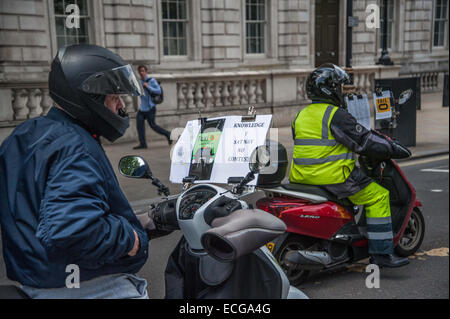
point(385, 59)
point(351, 22)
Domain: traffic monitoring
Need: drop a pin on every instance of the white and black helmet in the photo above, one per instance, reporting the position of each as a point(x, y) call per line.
point(324, 84)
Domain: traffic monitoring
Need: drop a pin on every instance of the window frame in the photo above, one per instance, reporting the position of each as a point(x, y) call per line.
point(194, 36)
point(265, 30)
point(445, 43)
point(186, 21)
point(96, 28)
point(87, 18)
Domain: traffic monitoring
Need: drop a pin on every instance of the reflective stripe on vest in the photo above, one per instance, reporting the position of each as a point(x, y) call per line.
point(324, 141)
point(318, 158)
point(331, 158)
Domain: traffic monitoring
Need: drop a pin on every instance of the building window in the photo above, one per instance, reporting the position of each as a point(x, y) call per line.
point(440, 22)
point(64, 35)
point(174, 22)
point(255, 25)
point(390, 22)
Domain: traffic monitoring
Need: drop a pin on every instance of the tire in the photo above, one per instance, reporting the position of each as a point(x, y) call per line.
point(413, 235)
point(293, 242)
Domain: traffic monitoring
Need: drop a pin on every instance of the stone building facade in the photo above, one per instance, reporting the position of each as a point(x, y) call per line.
point(217, 56)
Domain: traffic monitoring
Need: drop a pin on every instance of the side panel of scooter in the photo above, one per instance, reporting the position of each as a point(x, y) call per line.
point(316, 220)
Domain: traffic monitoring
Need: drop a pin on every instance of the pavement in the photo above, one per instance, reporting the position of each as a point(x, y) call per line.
point(432, 138)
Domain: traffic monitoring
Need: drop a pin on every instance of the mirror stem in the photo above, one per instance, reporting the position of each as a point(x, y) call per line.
point(247, 179)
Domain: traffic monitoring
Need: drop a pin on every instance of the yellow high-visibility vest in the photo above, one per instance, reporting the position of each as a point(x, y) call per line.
point(318, 159)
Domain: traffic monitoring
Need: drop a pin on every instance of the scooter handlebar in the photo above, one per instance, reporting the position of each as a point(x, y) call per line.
point(240, 233)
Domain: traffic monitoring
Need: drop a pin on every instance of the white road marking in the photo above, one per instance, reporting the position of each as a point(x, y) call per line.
point(436, 190)
point(434, 170)
point(428, 160)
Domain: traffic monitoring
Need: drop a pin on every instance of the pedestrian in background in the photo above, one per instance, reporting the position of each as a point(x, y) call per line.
point(147, 108)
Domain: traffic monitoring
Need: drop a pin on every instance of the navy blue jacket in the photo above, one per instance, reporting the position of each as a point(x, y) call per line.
point(61, 204)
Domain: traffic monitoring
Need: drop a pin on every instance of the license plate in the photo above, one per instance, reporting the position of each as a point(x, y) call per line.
point(383, 105)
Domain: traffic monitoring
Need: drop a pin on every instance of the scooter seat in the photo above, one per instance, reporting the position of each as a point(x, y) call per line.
point(317, 190)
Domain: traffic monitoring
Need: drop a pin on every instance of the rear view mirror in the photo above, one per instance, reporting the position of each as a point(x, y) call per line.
point(134, 166)
point(259, 159)
point(405, 96)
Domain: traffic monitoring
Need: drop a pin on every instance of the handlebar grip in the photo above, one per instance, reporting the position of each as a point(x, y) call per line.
point(400, 151)
point(240, 233)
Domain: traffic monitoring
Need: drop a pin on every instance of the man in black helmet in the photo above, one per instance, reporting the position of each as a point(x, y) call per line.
point(326, 139)
point(60, 201)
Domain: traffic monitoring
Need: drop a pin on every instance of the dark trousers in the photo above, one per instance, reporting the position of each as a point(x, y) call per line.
point(150, 117)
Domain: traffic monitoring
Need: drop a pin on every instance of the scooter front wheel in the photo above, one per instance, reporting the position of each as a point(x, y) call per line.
point(413, 235)
point(295, 275)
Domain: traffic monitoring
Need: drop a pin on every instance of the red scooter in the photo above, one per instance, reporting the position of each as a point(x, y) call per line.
point(328, 232)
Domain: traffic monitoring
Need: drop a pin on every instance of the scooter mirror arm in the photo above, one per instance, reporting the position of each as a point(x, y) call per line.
point(247, 179)
point(162, 189)
point(188, 181)
point(250, 190)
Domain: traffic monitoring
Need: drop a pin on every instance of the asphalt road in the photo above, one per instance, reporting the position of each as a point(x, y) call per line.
point(427, 275)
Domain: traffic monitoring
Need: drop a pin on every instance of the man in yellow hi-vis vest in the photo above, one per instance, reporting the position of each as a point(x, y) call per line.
point(326, 139)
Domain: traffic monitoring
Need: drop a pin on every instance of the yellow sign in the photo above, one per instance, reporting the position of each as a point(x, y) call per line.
point(270, 245)
point(383, 105)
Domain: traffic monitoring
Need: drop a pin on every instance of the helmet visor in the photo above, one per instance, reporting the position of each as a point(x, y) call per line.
point(119, 80)
point(342, 76)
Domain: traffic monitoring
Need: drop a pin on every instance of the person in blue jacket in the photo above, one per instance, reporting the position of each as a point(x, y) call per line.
point(147, 108)
point(61, 207)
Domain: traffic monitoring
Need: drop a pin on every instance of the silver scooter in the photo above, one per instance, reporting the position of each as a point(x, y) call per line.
point(222, 253)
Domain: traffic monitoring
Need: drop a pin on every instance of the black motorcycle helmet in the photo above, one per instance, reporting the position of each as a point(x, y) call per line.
point(80, 78)
point(324, 84)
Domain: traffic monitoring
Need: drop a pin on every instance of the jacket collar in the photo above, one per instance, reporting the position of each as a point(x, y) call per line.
point(61, 116)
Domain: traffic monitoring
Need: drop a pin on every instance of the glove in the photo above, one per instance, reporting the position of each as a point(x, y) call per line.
point(381, 147)
point(161, 220)
point(399, 151)
point(221, 207)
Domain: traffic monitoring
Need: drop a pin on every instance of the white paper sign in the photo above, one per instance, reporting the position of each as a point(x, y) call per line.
point(359, 108)
point(382, 105)
point(237, 142)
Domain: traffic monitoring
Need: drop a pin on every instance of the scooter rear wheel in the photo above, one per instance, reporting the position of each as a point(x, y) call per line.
point(412, 236)
point(293, 242)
